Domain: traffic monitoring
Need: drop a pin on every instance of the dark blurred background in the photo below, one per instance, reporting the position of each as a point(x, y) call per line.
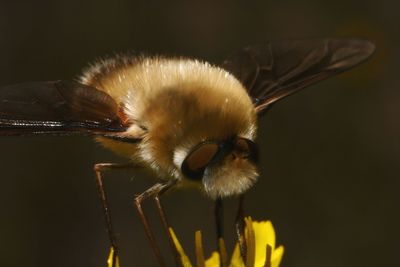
point(330, 154)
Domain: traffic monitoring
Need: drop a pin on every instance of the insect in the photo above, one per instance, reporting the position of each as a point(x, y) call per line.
point(187, 120)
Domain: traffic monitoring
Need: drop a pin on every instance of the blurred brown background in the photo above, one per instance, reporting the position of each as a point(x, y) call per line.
point(330, 155)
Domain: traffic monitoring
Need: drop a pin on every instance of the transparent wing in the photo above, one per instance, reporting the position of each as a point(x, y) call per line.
point(57, 107)
point(275, 70)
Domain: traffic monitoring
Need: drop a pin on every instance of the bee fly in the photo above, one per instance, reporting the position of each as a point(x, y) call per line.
point(187, 120)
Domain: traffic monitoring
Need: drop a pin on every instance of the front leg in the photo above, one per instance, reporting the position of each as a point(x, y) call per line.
point(98, 169)
point(154, 192)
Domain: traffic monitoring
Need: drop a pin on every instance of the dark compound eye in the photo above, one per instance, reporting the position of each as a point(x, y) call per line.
point(194, 164)
point(207, 152)
point(246, 148)
point(243, 147)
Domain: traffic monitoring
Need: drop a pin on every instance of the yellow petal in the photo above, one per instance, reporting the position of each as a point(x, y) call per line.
point(236, 260)
point(184, 258)
point(250, 243)
point(277, 255)
point(213, 261)
point(199, 249)
point(265, 234)
point(223, 256)
point(110, 260)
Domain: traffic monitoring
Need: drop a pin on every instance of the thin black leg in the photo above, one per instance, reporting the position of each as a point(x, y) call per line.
point(98, 169)
point(153, 192)
point(165, 223)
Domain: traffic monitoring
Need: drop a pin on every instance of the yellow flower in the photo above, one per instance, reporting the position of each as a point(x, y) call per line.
point(111, 259)
point(259, 239)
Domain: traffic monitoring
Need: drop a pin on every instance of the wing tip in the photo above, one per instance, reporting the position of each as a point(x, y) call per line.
point(350, 52)
point(366, 48)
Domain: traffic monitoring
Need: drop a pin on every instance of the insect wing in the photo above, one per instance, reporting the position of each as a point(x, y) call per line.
point(275, 70)
point(57, 107)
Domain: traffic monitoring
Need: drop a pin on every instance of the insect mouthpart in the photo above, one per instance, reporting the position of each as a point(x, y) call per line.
point(212, 152)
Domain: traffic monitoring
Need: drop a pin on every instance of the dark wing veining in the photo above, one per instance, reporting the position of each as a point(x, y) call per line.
point(275, 70)
point(57, 107)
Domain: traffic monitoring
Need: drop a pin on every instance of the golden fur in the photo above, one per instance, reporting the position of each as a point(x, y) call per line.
point(173, 104)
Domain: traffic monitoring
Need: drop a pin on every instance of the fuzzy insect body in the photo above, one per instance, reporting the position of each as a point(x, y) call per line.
point(172, 105)
point(184, 119)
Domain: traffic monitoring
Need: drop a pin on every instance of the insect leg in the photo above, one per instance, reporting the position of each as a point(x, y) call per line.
point(164, 220)
point(152, 192)
point(98, 169)
point(239, 225)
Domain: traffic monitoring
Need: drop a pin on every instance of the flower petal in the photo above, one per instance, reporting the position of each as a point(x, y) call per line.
point(236, 260)
point(199, 249)
point(213, 261)
point(265, 234)
point(110, 261)
point(251, 244)
point(277, 255)
point(184, 258)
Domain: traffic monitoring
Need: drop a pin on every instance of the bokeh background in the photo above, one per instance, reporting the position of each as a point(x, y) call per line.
point(330, 154)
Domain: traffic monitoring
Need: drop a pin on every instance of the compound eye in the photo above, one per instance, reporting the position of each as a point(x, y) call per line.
point(195, 163)
point(246, 148)
point(243, 147)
